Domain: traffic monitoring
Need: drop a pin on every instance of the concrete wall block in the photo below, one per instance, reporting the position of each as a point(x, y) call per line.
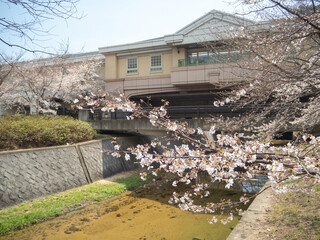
point(33, 173)
point(29, 174)
point(111, 165)
point(93, 158)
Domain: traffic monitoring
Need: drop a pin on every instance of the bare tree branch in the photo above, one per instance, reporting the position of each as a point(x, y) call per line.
point(36, 12)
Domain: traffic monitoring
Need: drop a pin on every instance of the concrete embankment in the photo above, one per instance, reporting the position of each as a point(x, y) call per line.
point(253, 224)
point(32, 173)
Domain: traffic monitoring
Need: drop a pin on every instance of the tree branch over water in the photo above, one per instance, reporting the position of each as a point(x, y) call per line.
point(229, 158)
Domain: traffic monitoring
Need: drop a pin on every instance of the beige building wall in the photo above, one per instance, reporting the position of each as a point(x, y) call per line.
point(122, 67)
point(144, 66)
point(111, 66)
point(177, 54)
point(116, 67)
point(166, 63)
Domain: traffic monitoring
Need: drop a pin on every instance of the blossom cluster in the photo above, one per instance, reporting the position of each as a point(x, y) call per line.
point(229, 159)
point(280, 76)
point(40, 83)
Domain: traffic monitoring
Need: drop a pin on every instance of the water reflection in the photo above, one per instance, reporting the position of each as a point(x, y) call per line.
point(254, 184)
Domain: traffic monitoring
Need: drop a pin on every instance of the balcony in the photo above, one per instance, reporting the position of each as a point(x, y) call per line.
point(216, 57)
point(212, 75)
point(213, 68)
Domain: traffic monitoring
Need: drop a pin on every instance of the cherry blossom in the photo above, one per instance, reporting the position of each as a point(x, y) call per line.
point(40, 83)
point(231, 159)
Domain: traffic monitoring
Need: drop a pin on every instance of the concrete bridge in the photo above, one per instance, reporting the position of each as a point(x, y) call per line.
point(140, 125)
point(195, 116)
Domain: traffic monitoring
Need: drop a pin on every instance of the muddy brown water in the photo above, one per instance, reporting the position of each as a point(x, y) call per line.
point(142, 214)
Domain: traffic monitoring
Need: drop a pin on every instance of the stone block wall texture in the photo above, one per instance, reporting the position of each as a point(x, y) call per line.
point(100, 164)
point(32, 173)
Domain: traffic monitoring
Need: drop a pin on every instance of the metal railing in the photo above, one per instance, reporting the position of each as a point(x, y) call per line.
point(68, 112)
point(186, 112)
point(189, 112)
point(217, 59)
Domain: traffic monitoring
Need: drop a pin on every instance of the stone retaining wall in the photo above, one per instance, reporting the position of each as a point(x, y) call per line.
point(32, 173)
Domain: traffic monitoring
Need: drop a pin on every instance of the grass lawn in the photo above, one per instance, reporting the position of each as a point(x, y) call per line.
point(296, 216)
point(54, 205)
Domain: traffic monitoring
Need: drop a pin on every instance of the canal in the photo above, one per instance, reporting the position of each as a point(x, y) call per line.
point(140, 214)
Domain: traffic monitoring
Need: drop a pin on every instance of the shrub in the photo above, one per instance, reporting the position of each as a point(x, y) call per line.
point(20, 131)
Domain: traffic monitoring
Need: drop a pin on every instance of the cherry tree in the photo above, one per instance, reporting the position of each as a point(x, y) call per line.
point(45, 84)
point(5, 70)
point(190, 154)
point(27, 32)
point(282, 72)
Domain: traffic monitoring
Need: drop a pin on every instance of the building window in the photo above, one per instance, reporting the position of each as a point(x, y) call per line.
point(156, 63)
point(212, 57)
point(132, 65)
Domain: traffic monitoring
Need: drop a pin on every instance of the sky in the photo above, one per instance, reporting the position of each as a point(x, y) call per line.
point(113, 22)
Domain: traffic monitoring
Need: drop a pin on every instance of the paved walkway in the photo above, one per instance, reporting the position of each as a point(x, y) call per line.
point(253, 224)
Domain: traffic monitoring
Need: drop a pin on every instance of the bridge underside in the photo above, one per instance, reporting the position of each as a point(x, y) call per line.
point(182, 105)
point(191, 104)
point(183, 98)
point(194, 107)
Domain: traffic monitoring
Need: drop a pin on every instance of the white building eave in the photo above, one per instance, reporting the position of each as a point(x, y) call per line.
point(51, 61)
point(147, 44)
point(80, 57)
point(214, 14)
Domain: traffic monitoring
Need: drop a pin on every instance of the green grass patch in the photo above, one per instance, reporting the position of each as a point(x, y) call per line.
point(296, 216)
point(133, 181)
point(54, 205)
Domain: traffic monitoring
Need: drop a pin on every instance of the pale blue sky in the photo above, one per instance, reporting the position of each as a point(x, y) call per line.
point(112, 22)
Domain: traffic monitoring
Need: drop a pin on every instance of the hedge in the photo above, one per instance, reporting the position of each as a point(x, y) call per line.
point(20, 131)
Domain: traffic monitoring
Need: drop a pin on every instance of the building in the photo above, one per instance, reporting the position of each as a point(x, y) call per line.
point(186, 68)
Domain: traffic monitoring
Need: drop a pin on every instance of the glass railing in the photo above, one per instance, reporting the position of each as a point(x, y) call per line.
point(215, 59)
